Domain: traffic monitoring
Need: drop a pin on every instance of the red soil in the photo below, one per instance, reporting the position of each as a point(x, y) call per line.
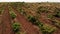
point(1, 22)
point(6, 20)
point(0, 25)
point(43, 18)
point(26, 25)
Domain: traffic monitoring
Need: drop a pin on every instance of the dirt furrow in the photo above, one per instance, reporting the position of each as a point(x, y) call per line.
point(0, 25)
point(1, 22)
point(7, 29)
point(26, 25)
point(43, 18)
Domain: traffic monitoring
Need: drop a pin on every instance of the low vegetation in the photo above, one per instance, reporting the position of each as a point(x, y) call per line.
point(22, 11)
point(12, 14)
point(57, 14)
point(1, 10)
point(50, 16)
point(56, 23)
point(42, 9)
point(16, 27)
point(47, 29)
point(31, 19)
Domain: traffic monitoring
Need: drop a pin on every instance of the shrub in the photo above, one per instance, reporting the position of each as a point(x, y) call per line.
point(57, 10)
point(16, 27)
point(34, 21)
point(57, 14)
point(1, 10)
point(31, 19)
point(12, 15)
point(14, 5)
point(50, 16)
point(56, 23)
point(22, 11)
point(38, 23)
point(42, 9)
point(47, 29)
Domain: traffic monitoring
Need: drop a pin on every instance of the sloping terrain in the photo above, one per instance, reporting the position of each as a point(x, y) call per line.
point(34, 18)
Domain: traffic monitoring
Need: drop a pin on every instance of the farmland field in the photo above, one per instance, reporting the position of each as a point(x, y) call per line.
point(29, 18)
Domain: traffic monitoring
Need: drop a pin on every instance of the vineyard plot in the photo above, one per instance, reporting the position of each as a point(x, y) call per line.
point(29, 18)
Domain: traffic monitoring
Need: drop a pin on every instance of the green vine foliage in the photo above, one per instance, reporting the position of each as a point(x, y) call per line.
point(57, 14)
point(16, 27)
point(47, 29)
point(12, 14)
point(42, 9)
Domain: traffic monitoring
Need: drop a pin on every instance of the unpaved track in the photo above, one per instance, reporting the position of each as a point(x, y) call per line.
point(27, 26)
point(6, 20)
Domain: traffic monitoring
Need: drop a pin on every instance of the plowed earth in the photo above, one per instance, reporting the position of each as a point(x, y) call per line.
point(6, 22)
point(27, 27)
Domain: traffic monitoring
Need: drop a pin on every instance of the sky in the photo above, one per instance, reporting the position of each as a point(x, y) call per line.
point(29, 0)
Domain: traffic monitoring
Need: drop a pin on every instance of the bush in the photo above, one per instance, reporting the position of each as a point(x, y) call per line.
point(57, 14)
point(22, 11)
point(34, 21)
point(12, 15)
point(16, 27)
point(20, 4)
point(42, 9)
point(50, 16)
point(31, 19)
point(38, 23)
point(56, 23)
point(14, 5)
point(1, 10)
point(47, 29)
point(57, 10)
